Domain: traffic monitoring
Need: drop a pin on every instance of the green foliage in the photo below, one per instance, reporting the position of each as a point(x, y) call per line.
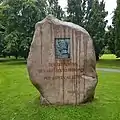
point(20, 17)
point(2, 29)
point(12, 44)
point(110, 39)
point(55, 9)
point(76, 11)
point(116, 24)
point(106, 50)
point(1, 43)
point(90, 14)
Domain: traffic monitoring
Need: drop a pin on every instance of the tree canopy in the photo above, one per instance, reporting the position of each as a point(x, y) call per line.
point(116, 25)
point(91, 15)
point(18, 19)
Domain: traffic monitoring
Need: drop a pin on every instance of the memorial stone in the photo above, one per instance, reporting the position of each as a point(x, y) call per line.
point(62, 63)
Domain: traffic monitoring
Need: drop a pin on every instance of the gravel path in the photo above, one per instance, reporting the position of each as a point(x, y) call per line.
point(109, 70)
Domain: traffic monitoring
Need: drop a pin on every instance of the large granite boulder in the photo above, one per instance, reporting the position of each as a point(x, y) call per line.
point(62, 63)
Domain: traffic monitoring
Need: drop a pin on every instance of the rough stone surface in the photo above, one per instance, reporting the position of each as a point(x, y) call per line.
point(62, 81)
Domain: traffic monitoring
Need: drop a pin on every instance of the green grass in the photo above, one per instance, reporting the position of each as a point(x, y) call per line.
point(19, 100)
point(109, 61)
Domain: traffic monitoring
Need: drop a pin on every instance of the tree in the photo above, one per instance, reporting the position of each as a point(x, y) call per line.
point(76, 11)
point(55, 9)
point(110, 39)
point(1, 43)
point(2, 30)
point(21, 17)
point(90, 14)
point(13, 44)
point(116, 24)
point(96, 26)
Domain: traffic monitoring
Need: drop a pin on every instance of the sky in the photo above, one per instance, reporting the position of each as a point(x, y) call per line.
point(109, 6)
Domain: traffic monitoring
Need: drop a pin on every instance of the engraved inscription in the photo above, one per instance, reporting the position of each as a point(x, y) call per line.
point(68, 67)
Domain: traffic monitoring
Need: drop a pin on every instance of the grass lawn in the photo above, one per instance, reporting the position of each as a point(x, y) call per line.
point(109, 61)
point(19, 100)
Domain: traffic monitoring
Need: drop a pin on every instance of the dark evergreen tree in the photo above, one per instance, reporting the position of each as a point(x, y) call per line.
point(90, 14)
point(55, 9)
point(116, 24)
point(110, 39)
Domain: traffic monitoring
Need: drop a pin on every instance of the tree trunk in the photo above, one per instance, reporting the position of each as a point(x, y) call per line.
point(16, 57)
point(97, 57)
point(25, 57)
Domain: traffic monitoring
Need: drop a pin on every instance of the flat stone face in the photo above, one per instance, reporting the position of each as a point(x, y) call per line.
point(61, 63)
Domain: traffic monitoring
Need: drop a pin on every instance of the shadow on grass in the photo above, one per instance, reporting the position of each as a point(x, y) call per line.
point(37, 102)
point(17, 63)
point(12, 61)
point(109, 63)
